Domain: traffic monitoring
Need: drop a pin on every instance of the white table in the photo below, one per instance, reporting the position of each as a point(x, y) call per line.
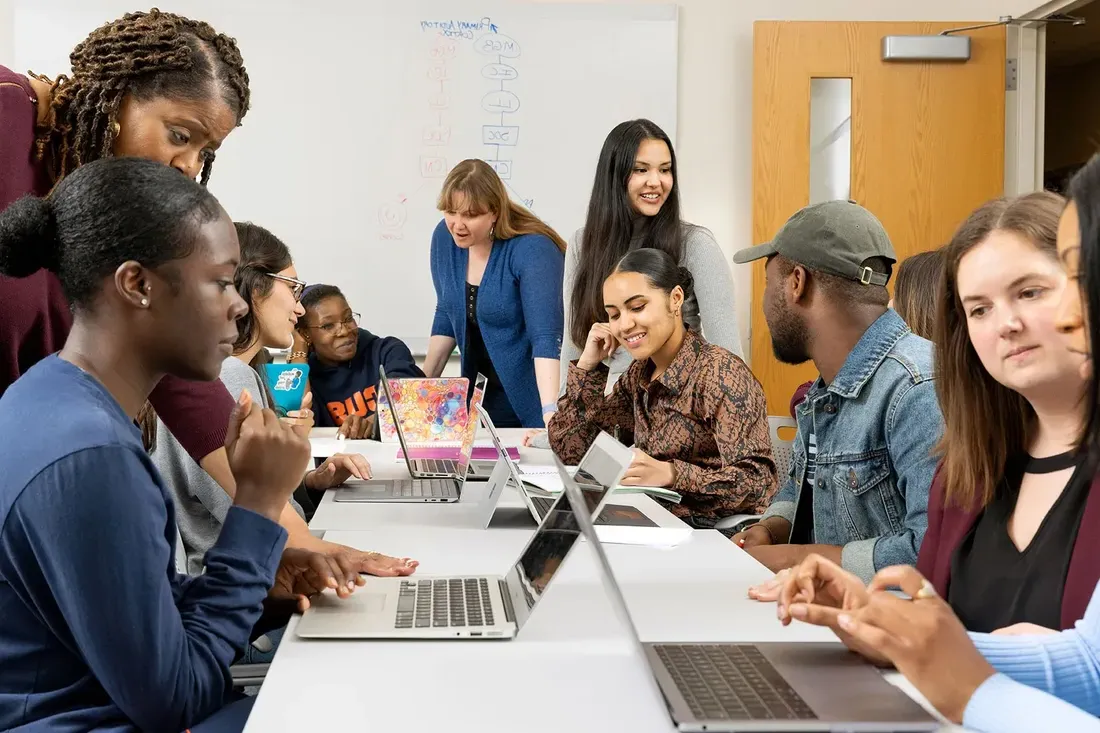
point(572, 668)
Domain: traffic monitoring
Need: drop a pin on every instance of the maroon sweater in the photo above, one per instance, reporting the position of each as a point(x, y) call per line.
point(948, 526)
point(35, 317)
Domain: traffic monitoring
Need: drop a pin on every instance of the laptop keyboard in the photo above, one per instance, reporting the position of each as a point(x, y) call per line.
point(435, 465)
point(447, 602)
point(544, 504)
point(731, 682)
point(428, 488)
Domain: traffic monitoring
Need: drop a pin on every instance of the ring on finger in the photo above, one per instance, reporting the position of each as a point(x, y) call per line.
point(927, 590)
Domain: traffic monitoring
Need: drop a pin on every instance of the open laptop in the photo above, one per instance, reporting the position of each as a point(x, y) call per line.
point(537, 503)
point(445, 489)
point(468, 607)
point(773, 686)
point(445, 468)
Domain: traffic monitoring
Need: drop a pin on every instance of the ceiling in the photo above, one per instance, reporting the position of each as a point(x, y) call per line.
point(1069, 45)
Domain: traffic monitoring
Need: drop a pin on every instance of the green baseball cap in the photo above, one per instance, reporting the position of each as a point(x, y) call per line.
point(836, 237)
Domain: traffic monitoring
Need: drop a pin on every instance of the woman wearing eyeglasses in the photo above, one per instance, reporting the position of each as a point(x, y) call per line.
point(343, 362)
point(266, 280)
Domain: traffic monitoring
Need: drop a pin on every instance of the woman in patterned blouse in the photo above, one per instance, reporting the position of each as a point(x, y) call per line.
point(696, 412)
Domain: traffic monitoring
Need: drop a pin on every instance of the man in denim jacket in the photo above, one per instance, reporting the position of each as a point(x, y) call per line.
point(863, 457)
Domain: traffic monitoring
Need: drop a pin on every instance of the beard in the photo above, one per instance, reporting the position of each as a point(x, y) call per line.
point(789, 337)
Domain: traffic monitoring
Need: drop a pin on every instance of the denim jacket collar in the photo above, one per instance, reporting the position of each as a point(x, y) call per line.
point(865, 358)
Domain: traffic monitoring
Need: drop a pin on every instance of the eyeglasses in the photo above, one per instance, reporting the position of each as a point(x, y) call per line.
point(351, 323)
point(296, 285)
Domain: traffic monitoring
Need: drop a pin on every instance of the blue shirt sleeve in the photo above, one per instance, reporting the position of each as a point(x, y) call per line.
point(539, 267)
point(1066, 664)
point(441, 238)
point(1002, 705)
point(398, 360)
point(96, 563)
point(913, 428)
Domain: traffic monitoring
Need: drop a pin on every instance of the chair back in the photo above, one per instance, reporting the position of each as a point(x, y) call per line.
point(781, 449)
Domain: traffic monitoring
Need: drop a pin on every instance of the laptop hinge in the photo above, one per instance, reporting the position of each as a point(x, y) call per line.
point(506, 599)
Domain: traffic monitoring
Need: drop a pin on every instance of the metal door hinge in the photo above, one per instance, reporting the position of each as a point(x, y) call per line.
point(1010, 75)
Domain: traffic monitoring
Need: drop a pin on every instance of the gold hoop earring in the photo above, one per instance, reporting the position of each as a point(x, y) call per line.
point(492, 231)
point(115, 128)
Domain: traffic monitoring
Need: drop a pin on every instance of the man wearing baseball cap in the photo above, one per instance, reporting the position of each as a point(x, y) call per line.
point(863, 457)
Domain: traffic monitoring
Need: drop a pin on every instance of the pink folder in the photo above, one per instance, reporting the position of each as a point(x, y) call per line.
point(482, 453)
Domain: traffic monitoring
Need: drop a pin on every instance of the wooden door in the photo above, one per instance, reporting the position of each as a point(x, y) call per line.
point(927, 143)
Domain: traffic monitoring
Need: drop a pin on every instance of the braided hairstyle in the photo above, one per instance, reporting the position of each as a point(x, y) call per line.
point(148, 55)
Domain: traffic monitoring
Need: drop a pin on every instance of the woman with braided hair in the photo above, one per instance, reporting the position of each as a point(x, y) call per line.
point(151, 85)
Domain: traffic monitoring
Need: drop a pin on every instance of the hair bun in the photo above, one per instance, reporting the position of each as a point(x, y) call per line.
point(687, 281)
point(28, 238)
point(691, 315)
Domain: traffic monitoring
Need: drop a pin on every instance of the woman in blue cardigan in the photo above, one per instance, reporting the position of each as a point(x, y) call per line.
point(497, 271)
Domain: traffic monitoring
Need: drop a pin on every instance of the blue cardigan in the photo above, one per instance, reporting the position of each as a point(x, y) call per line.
point(519, 309)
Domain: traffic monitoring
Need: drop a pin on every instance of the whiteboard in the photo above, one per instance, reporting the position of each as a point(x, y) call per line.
point(360, 108)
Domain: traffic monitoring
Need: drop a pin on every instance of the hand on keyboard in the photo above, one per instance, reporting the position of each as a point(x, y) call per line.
point(336, 470)
point(303, 573)
point(375, 563)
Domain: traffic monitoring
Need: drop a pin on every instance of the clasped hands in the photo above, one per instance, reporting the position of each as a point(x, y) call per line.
point(919, 635)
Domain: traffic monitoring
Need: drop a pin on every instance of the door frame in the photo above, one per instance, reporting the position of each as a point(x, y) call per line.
point(1025, 127)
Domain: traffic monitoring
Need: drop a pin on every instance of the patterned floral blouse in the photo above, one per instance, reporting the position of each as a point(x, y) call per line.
point(706, 414)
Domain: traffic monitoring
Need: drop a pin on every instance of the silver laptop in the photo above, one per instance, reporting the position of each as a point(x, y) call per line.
point(474, 607)
point(538, 502)
point(445, 468)
point(774, 686)
point(447, 489)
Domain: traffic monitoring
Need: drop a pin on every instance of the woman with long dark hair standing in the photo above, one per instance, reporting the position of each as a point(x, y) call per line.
point(635, 203)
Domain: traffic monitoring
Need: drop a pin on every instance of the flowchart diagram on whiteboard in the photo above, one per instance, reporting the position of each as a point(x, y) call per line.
point(500, 103)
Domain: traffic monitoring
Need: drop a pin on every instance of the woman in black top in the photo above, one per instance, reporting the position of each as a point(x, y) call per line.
point(994, 584)
point(1007, 502)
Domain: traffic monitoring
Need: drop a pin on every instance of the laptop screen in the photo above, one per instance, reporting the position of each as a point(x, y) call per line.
point(605, 461)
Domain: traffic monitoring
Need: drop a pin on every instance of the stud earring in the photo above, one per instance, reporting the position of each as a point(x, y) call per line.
point(145, 301)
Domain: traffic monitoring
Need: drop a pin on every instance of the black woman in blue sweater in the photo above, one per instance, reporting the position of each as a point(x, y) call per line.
point(497, 271)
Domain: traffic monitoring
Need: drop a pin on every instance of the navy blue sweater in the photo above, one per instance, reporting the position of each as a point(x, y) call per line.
point(97, 630)
point(519, 309)
point(352, 388)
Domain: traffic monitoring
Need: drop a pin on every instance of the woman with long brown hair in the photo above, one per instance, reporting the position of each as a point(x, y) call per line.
point(917, 291)
point(1004, 545)
point(497, 270)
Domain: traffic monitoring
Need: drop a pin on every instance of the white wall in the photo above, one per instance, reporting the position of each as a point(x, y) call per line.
point(715, 88)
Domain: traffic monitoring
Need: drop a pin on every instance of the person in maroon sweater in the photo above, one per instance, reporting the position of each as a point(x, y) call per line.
point(150, 85)
point(1008, 543)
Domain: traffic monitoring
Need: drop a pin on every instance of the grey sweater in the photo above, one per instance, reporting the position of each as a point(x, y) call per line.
point(201, 502)
point(713, 289)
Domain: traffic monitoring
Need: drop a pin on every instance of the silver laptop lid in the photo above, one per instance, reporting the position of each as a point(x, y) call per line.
point(578, 500)
point(502, 452)
point(558, 531)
